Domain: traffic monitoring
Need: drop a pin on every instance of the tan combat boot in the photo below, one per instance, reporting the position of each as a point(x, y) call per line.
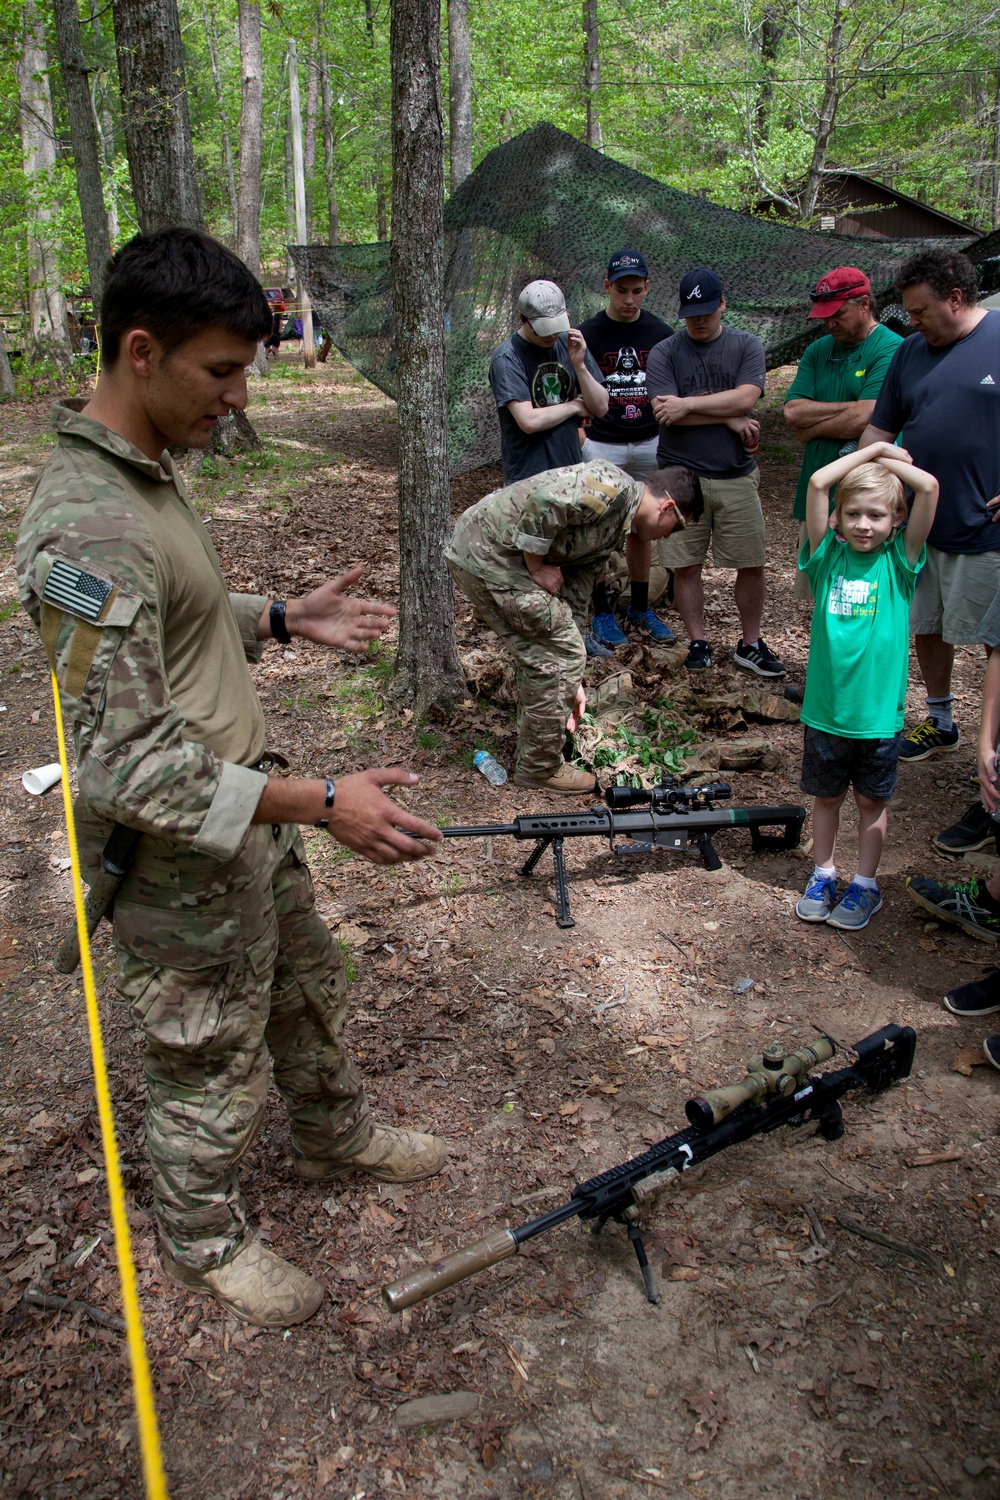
point(391, 1155)
point(568, 781)
point(257, 1285)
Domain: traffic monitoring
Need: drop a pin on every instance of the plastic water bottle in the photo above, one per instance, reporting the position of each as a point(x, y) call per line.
point(491, 769)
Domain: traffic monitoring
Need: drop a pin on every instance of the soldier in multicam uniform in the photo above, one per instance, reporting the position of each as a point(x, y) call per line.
point(222, 954)
point(527, 557)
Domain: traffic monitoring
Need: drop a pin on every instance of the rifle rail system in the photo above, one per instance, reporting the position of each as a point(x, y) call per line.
point(668, 817)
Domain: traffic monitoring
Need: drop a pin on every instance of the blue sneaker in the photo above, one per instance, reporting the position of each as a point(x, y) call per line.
point(856, 908)
point(609, 632)
point(593, 647)
point(818, 901)
point(648, 623)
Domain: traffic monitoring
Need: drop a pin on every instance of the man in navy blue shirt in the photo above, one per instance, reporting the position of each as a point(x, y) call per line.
point(942, 393)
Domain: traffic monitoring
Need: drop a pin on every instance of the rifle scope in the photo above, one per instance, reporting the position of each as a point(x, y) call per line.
point(666, 798)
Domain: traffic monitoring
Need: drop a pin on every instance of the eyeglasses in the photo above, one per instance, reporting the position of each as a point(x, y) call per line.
point(838, 291)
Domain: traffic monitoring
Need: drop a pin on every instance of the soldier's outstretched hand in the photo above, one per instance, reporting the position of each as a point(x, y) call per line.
point(333, 617)
point(369, 822)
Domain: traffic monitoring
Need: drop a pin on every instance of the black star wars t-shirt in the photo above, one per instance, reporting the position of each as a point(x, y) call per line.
point(621, 351)
point(520, 371)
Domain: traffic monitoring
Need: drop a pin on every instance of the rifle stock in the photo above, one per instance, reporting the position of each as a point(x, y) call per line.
point(879, 1060)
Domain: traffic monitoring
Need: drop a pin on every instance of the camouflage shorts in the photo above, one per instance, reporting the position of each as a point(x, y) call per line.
point(225, 965)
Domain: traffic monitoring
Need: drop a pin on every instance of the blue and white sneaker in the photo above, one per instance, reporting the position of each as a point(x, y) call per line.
point(647, 622)
point(609, 632)
point(819, 899)
point(856, 907)
point(593, 647)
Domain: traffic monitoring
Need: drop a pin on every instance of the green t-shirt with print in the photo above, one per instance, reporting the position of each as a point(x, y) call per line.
point(859, 640)
point(830, 372)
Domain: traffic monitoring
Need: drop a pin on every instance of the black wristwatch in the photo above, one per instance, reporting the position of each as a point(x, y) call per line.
point(279, 629)
point(331, 792)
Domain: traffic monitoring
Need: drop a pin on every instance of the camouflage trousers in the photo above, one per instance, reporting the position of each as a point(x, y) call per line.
point(226, 966)
point(543, 633)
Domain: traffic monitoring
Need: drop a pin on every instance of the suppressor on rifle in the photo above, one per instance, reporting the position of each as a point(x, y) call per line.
point(426, 1280)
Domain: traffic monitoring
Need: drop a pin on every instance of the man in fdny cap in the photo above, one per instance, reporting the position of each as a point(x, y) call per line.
point(543, 381)
point(620, 338)
point(831, 399)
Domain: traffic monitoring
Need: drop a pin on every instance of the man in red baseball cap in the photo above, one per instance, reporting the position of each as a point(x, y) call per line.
point(831, 399)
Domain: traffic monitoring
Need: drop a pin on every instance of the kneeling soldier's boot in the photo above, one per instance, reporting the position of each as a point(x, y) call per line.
point(257, 1285)
point(391, 1155)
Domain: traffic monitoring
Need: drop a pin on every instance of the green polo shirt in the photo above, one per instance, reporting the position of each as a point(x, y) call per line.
point(829, 371)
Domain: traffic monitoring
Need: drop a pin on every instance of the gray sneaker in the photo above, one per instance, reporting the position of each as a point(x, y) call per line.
point(855, 909)
point(819, 900)
point(593, 646)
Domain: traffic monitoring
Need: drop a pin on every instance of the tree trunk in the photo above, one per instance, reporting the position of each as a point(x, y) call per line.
point(7, 391)
point(592, 74)
point(328, 162)
point(208, 20)
point(309, 148)
point(155, 113)
point(248, 199)
point(289, 195)
point(827, 116)
point(49, 324)
point(301, 228)
point(459, 93)
point(83, 135)
point(770, 40)
point(104, 127)
point(428, 672)
point(381, 222)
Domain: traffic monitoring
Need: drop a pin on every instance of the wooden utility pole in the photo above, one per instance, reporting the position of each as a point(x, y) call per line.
point(299, 180)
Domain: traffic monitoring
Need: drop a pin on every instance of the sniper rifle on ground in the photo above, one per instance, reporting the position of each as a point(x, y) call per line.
point(778, 1090)
point(668, 817)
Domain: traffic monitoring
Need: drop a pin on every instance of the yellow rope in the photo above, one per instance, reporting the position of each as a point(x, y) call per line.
point(142, 1385)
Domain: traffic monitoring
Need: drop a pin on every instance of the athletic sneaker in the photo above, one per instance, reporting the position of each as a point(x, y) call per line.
point(961, 904)
point(609, 632)
point(974, 830)
point(819, 899)
point(980, 997)
point(647, 622)
point(926, 739)
point(855, 909)
point(991, 1051)
point(593, 647)
point(760, 659)
point(699, 657)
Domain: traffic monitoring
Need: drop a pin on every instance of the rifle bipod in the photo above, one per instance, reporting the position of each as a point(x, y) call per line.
point(563, 915)
point(630, 1218)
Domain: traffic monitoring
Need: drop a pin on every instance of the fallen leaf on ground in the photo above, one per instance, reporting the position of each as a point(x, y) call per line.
point(967, 1059)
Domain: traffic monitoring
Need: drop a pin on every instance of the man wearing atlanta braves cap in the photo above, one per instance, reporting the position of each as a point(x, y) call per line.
point(831, 399)
point(704, 383)
point(544, 382)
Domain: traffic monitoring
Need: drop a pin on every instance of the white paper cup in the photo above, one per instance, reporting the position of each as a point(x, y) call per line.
point(42, 779)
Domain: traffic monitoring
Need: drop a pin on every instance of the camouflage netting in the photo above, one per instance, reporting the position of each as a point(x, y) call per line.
point(544, 204)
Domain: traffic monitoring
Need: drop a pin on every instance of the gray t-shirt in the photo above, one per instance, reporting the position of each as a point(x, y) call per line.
point(682, 367)
point(520, 371)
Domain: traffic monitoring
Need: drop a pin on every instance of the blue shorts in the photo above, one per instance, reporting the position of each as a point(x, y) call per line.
point(832, 762)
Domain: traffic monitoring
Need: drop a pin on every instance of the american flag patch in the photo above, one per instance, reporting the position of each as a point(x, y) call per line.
point(75, 591)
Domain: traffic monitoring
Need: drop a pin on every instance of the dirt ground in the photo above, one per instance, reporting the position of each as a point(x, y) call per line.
point(790, 1355)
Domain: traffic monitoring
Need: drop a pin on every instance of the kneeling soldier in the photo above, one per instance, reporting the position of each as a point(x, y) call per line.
point(527, 557)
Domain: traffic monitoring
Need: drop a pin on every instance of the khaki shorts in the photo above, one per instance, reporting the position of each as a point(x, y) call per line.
point(954, 590)
point(733, 521)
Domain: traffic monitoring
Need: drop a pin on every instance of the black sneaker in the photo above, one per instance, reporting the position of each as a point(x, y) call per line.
point(991, 1051)
point(926, 739)
point(980, 997)
point(699, 657)
point(962, 904)
point(760, 659)
point(974, 830)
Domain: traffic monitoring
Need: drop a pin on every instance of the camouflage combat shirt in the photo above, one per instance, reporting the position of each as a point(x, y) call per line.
point(573, 517)
point(119, 575)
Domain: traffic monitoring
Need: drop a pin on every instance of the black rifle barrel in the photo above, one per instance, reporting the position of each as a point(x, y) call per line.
point(879, 1060)
point(602, 822)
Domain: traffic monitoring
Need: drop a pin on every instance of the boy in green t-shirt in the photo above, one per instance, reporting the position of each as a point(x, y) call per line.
point(862, 570)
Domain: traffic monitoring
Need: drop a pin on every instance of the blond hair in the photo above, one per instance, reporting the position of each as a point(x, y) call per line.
point(874, 480)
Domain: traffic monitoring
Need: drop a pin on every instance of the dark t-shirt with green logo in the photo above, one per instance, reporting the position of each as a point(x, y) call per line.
point(520, 371)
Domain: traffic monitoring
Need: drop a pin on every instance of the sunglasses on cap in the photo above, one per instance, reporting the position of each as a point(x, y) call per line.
point(837, 291)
